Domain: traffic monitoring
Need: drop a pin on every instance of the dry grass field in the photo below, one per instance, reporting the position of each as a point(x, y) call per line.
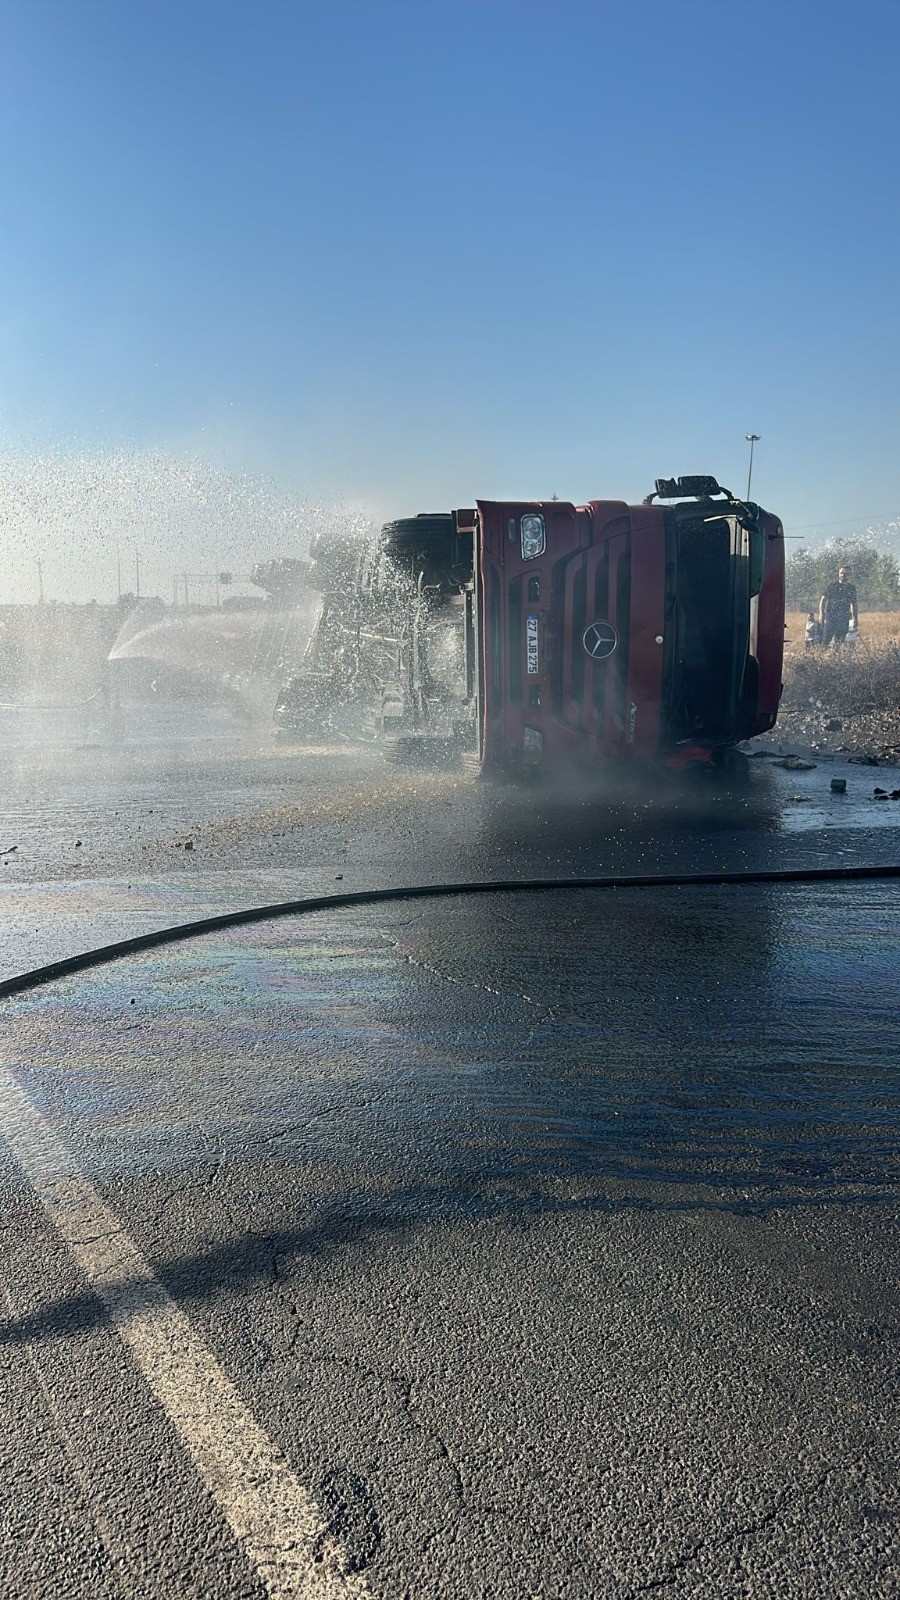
point(857, 689)
point(876, 627)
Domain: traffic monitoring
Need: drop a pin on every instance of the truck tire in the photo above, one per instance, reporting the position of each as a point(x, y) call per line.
point(732, 765)
point(299, 710)
point(430, 537)
point(424, 750)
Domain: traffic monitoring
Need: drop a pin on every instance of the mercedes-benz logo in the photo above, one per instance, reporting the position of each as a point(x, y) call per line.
point(600, 640)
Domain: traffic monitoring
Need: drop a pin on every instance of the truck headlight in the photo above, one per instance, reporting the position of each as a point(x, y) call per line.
point(534, 536)
point(532, 746)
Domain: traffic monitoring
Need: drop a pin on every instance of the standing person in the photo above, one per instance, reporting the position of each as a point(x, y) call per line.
point(838, 608)
point(813, 630)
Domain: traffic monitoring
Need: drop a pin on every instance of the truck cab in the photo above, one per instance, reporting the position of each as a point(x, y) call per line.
point(614, 631)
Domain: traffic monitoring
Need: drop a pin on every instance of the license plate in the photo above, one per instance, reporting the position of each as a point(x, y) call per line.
point(531, 645)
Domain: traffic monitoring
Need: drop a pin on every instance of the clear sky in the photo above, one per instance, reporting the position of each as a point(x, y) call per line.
point(403, 253)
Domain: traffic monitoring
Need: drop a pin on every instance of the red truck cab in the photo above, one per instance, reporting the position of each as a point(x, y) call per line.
point(613, 631)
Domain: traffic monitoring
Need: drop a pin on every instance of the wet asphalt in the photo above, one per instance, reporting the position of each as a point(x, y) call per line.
point(553, 1240)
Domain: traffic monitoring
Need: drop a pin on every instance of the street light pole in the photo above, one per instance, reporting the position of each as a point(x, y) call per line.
point(752, 439)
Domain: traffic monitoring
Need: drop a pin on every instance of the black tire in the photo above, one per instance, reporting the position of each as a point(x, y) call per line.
point(424, 750)
point(299, 709)
point(430, 537)
point(733, 765)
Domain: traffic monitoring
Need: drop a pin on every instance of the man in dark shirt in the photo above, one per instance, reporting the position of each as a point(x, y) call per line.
point(838, 607)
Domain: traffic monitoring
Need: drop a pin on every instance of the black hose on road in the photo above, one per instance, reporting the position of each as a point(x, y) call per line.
point(435, 891)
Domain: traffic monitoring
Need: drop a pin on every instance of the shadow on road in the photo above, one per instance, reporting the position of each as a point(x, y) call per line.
point(349, 1223)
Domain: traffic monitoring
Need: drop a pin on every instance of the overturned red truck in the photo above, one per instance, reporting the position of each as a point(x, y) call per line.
point(540, 634)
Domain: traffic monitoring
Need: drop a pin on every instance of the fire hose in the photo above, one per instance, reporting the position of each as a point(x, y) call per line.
point(160, 937)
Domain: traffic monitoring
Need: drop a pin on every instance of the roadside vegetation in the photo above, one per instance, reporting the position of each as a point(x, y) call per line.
point(876, 574)
point(847, 698)
point(857, 686)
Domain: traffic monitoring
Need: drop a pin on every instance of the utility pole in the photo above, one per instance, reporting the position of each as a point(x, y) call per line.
point(752, 439)
point(40, 581)
point(119, 572)
point(137, 574)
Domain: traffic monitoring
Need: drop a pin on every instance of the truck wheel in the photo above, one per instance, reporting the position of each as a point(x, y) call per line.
point(299, 709)
point(429, 537)
point(424, 750)
point(733, 765)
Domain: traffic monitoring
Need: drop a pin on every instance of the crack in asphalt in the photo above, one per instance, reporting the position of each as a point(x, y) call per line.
point(332, 1108)
point(448, 977)
point(405, 1388)
point(203, 1185)
point(459, 983)
point(748, 1530)
point(282, 1289)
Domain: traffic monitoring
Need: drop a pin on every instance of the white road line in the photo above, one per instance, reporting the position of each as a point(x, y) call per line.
point(275, 1519)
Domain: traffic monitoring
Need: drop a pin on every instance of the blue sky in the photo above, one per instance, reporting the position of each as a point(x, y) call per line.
point(403, 253)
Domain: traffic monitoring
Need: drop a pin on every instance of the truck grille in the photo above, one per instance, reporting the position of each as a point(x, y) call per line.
point(579, 621)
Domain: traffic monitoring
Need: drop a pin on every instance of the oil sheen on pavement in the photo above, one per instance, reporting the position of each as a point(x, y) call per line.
point(550, 1244)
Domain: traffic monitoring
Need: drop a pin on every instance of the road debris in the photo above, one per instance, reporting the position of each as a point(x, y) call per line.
point(795, 764)
point(839, 785)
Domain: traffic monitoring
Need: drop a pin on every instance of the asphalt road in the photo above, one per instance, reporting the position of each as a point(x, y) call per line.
point(543, 1246)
